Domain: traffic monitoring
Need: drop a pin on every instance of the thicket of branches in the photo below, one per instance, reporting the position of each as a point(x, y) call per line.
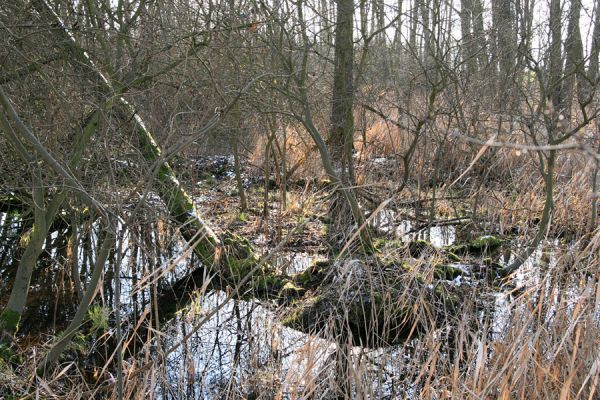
point(471, 112)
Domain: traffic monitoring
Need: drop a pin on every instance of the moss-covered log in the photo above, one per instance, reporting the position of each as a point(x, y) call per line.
point(179, 203)
point(376, 315)
point(390, 306)
point(481, 245)
point(370, 306)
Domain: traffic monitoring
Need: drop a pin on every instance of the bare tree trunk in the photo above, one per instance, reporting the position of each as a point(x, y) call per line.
point(342, 118)
point(235, 139)
point(414, 17)
point(180, 206)
point(74, 255)
point(555, 62)
point(344, 207)
point(546, 216)
point(44, 215)
point(504, 32)
point(480, 45)
point(574, 67)
point(398, 32)
point(326, 36)
point(469, 56)
point(238, 175)
point(11, 315)
point(426, 48)
point(595, 50)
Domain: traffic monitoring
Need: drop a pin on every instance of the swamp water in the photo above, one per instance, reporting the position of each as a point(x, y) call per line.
point(242, 350)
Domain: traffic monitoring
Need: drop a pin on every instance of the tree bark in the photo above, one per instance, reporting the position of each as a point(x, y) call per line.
point(595, 50)
point(44, 215)
point(554, 88)
point(179, 204)
point(574, 66)
point(342, 117)
point(469, 56)
point(504, 31)
point(344, 206)
point(479, 39)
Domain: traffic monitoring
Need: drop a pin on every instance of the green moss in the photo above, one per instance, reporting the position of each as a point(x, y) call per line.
point(419, 247)
point(448, 299)
point(311, 274)
point(237, 268)
point(267, 282)
point(382, 244)
point(481, 245)
point(238, 243)
point(453, 257)
point(320, 264)
point(290, 291)
point(301, 317)
point(8, 356)
point(9, 321)
point(484, 243)
point(26, 238)
point(208, 179)
point(293, 319)
point(324, 182)
point(401, 265)
point(78, 343)
point(305, 277)
point(446, 272)
point(378, 244)
point(378, 300)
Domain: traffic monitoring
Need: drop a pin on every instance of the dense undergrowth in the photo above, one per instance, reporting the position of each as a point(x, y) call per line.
point(410, 320)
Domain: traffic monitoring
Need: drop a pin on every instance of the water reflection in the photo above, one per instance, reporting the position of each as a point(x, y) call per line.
point(391, 222)
point(242, 350)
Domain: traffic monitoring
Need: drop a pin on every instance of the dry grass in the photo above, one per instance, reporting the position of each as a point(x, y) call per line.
point(538, 339)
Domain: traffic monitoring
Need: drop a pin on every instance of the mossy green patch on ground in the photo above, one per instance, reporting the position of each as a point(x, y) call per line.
point(267, 282)
point(313, 273)
point(290, 291)
point(8, 356)
point(450, 300)
point(417, 248)
point(9, 321)
point(300, 316)
point(446, 272)
point(387, 245)
point(453, 257)
point(480, 245)
point(483, 243)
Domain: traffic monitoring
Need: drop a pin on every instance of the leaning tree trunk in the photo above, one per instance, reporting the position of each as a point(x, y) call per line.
point(43, 215)
point(231, 262)
point(179, 204)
